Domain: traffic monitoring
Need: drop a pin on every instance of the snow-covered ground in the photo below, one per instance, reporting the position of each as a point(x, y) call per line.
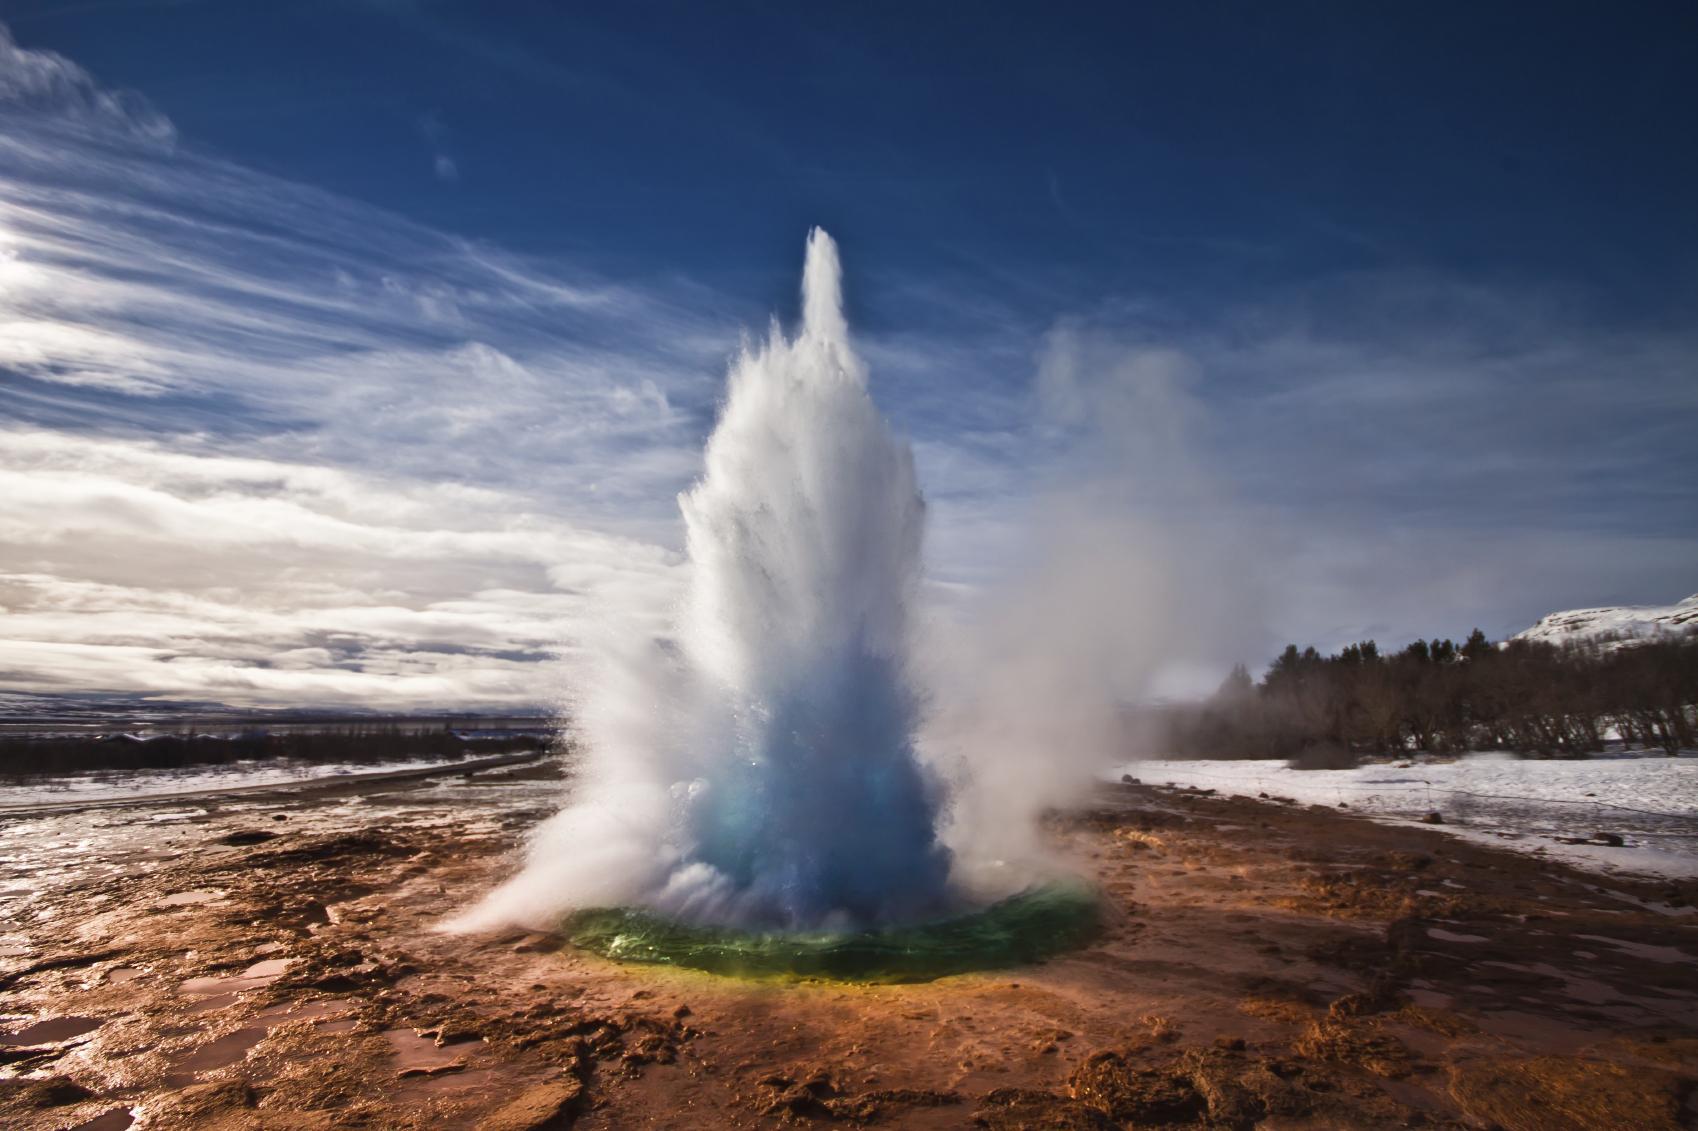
point(1651, 801)
point(1617, 623)
point(116, 785)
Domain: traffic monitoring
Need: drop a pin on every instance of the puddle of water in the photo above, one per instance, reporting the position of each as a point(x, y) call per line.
point(1642, 950)
point(115, 1120)
point(1412, 1095)
point(1592, 992)
point(1537, 1028)
point(231, 1047)
point(413, 1055)
point(223, 1051)
point(204, 987)
point(1659, 908)
point(259, 974)
point(307, 1011)
point(118, 975)
point(1587, 990)
point(188, 898)
point(50, 1030)
point(475, 1080)
point(1453, 936)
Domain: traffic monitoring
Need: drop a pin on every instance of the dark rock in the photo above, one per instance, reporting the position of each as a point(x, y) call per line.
point(1565, 1092)
point(1216, 1075)
point(536, 942)
point(542, 1108)
point(1341, 1043)
point(53, 1091)
point(202, 1104)
point(1135, 1095)
point(337, 848)
point(1283, 1088)
point(432, 1069)
point(1434, 818)
point(61, 962)
point(1380, 999)
point(912, 1097)
point(1025, 1109)
point(797, 1102)
point(243, 837)
point(450, 1033)
point(1613, 840)
point(649, 1048)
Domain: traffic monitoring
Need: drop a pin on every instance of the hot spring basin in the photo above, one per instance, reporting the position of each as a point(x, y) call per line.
point(1023, 928)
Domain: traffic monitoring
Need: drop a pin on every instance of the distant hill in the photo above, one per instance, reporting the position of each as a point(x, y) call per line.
point(1619, 625)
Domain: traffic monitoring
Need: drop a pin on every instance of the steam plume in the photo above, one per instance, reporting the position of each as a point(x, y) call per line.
point(760, 768)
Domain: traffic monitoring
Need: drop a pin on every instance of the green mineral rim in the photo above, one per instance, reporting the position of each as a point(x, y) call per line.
point(1024, 928)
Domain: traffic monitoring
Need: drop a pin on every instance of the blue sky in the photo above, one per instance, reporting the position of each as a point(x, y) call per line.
point(356, 352)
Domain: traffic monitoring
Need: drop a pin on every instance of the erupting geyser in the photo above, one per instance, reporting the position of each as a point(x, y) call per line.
point(759, 770)
point(805, 803)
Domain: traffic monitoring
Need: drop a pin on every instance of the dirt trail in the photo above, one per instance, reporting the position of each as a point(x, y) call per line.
point(271, 962)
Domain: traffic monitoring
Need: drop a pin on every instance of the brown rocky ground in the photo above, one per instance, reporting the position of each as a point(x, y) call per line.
point(269, 961)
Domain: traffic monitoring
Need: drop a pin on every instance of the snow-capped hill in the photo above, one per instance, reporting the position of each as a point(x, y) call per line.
point(1623, 624)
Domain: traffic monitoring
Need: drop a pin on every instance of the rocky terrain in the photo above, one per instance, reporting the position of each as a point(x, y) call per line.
point(271, 961)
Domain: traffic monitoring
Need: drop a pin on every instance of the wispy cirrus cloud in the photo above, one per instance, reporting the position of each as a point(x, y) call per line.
point(46, 82)
point(137, 274)
point(266, 445)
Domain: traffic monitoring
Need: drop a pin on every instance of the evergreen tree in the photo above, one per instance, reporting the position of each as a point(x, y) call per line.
point(1476, 647)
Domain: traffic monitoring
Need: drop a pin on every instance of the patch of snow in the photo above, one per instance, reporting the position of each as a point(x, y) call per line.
point(1617, 625)
point(134, 785)
point(1526, 804)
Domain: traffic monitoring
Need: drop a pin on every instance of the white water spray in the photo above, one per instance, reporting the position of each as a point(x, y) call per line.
point(760, 769)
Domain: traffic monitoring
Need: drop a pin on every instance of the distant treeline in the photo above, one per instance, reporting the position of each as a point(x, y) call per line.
point(1436, 696)
point(58, 754)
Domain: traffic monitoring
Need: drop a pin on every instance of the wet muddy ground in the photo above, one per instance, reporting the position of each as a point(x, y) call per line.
point(270, 961)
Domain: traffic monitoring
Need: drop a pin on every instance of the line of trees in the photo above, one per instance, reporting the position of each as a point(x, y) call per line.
point(26, 755)
point(1440, 697)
